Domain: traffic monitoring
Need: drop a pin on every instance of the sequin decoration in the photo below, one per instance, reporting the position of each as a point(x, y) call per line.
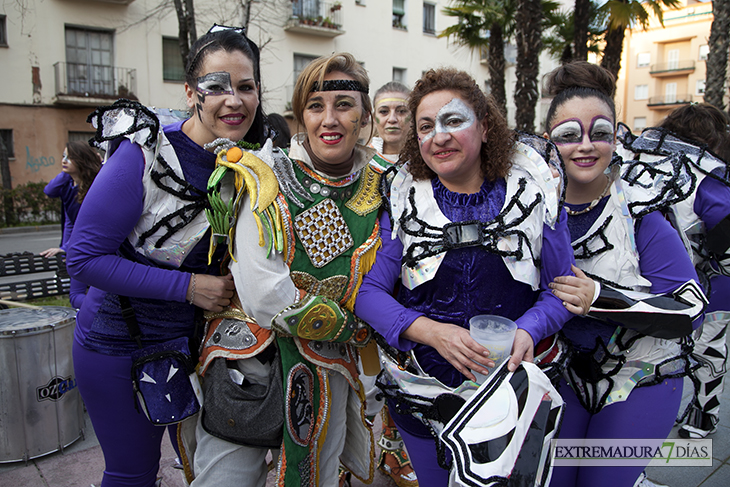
point(323, 232)
point(368, 197)
point(330, 287)
point(299, 404)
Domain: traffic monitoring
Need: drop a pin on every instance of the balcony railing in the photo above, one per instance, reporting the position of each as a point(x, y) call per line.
point(316, 18)
point(672, 67)
point(76, 82)
point(663, 100)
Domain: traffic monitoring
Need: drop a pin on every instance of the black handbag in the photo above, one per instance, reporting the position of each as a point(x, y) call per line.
point(165, 384)
point(247, 414)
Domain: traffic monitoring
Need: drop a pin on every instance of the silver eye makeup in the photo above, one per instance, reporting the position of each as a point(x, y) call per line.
point(571, 132)
point(455, 116)
point(215, 84)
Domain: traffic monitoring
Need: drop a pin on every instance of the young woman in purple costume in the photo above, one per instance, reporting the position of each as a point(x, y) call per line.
point(120, 248)
point(80, 165)
point(463, 166)
point(581, 121)
point(706, 124)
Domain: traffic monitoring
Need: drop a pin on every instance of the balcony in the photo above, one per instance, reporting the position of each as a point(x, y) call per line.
point(672, 68)
point(662, 102)
point(93, 85)
point(316, 18)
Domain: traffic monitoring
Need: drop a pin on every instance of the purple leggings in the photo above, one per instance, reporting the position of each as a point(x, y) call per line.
point(649, 412)
point(130, 443)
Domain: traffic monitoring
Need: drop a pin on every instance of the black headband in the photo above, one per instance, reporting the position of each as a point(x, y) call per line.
point(340, 85)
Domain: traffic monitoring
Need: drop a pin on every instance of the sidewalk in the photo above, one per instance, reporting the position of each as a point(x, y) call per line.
point(82, 464)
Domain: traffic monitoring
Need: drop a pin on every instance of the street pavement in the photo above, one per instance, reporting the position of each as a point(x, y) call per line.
point(81, 464)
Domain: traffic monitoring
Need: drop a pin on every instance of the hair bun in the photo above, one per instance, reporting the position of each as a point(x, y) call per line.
point(581, 74)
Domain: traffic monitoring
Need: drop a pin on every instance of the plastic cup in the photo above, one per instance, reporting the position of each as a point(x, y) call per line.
point(497, 334)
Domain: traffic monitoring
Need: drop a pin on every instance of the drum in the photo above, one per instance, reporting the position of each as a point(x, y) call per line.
point(40, 406)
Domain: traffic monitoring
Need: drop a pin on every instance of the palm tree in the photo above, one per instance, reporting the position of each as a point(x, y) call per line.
point(484, 24)
point(559, 36)
point(581, 21)
point(717, 57)
point(528, 33)
point(623, 14)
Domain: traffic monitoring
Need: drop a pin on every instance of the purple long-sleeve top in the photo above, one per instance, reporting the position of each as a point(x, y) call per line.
point(62, 186)
point(712, 205)
point(663, 261)
point(377, 306)
point(100, 254)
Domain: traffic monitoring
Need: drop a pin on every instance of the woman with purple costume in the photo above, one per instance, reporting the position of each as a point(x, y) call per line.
point(80, 164)
point(614, 385)
point(465, 170)
point(142, 233)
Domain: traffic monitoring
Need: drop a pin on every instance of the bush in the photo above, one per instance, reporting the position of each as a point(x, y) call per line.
point(27, 204)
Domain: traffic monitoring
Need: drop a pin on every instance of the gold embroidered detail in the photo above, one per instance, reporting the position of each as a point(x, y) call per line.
point(367, 198)
point(323, 232)
point(330, 287)
point(318, 322)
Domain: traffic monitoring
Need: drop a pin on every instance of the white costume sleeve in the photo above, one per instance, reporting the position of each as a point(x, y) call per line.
point(263, 285)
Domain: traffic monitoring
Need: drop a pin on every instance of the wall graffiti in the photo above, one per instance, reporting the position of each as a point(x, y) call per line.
point(36, 163)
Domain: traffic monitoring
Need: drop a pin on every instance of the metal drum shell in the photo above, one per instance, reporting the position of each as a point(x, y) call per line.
point(40, 407)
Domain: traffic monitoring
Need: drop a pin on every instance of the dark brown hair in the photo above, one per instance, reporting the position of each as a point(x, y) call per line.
point(579, 79)
point(88, 163)
point(496, 152)
point(703, 123)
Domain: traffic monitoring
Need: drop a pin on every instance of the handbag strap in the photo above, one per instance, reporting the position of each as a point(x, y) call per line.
point(131, 319)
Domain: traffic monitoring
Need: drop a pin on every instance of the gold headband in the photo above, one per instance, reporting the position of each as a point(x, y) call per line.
point(383, 100)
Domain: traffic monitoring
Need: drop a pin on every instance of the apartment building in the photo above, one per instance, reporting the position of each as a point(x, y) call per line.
point(664, 67)
point(62, 58)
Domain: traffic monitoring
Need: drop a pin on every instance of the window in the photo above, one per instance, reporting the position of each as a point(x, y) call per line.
point(429, 18)
point(89, 67)
point(6, 135)
point(172, 64)
point(306, 9)
point(300, 62)
point(673, 59)
point(704, 51)
point(641, 92)
point(700, 90)
point(487, 87)
point(639, 123)
point(3, 31)
point(670, 93)
point(643, 59)
point(399, 14)
point(399, 75)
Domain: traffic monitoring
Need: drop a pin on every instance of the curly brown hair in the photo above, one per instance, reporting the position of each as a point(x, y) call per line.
point(496, 152)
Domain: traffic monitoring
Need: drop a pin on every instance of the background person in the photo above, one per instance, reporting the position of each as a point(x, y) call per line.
point(707, 125)
point(600, 398)
point(392, 120)
point(79, 166)
point(129, 241)
point(463, 166)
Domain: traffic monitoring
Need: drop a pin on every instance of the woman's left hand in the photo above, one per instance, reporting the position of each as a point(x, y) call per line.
point(575, 292)
point(523, 348)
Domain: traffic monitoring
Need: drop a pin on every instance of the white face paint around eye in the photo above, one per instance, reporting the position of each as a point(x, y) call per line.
point(569, 132)
point(455, 116)
point(218, 83)
point(602, 131)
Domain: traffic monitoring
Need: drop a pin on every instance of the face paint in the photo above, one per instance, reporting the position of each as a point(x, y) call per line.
point(214, 84)
point(572, 131)
point(452, 117)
